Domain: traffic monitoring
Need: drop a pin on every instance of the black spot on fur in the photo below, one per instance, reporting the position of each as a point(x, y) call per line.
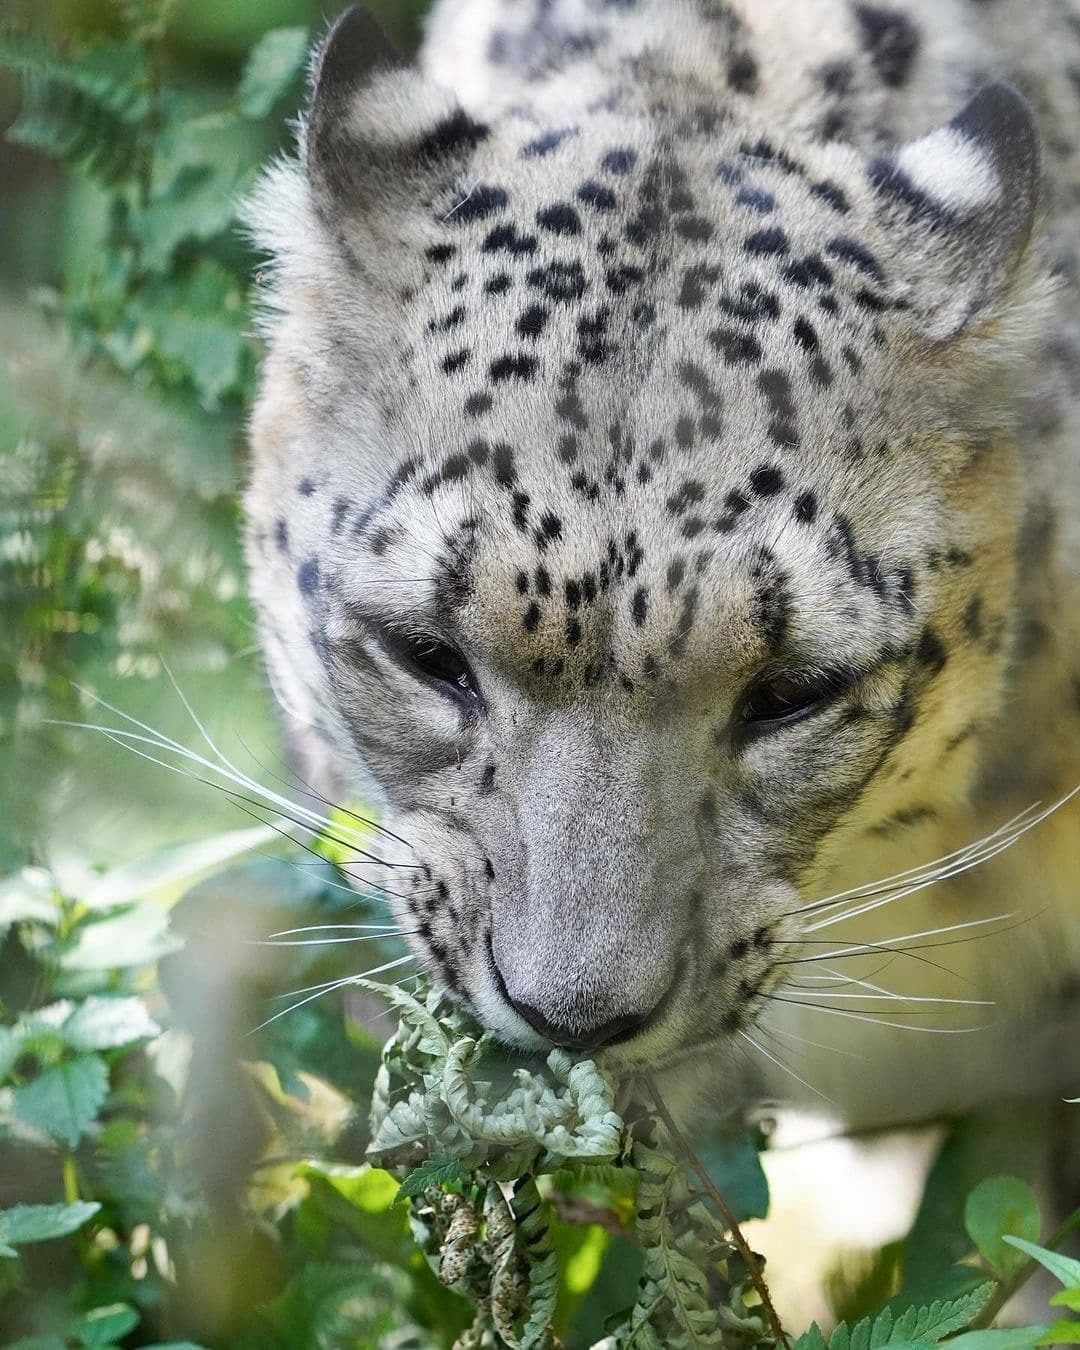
point(505, 239)
point(742, 73)
point(752, 303)
point(806, 507)
point(476, 404)
point(560, 218)
point(766, 481)
point(640, 606)
point(597, 196)
point(850, 250)
point(931, 651)
point(545, 143)
point(737, 347)
point(532, 320)
point(483, 201)
point(771, 241)
point(560, 281)
point(618, 161)
point(892, 40)
point(511, 367)
point(307, 576)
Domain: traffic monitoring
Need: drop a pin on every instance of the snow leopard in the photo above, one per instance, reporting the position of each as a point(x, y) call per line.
point(665, 510)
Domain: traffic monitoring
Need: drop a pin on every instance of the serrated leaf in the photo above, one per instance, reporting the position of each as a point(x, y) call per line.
point(997, 1206)
point(138, 936)
point(105, 1023)
point(64, 1100)
point(433, 1172)
point(276, 61)
point(1065, 1332)
point(942, 1318)
point(999, 1338)
point(39, 1223)
point(811, 1339)
point(1063, 1268)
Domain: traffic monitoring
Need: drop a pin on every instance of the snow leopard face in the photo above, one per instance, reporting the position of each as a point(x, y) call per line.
point(629, 516)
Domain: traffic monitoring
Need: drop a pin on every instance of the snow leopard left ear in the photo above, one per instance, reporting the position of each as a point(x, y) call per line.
point(965, 195)
point(379, 138)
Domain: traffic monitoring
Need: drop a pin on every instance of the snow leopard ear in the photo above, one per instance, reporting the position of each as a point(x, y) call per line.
point(378, 136)
point(963, 198)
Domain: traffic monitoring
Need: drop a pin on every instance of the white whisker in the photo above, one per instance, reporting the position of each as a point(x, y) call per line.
point(329, 987)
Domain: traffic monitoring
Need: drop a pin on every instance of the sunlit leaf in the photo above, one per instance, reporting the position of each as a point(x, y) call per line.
point(105, 1023)
point(136, 937)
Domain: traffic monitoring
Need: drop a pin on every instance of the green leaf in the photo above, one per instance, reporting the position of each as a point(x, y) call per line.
point(811, 1339)
point(106, 1325)
point(276, 61)
point(137, 937)
point(942, 1318)
point(169, 868)
point(1066, 1298)
point(997, 1206)
point(39, 1223)
point(434, 1172)
point(105, 1023)
point(1065, 1332)
point(64, 1100)
point(1004, 1338)
point(198, 325)
point(1063, 1268)
point(734, 1167)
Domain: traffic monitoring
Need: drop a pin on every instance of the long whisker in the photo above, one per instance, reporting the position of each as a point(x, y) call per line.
point(780, 1065)
point(870, 888)
point(874, 1020)
point(953, 870)
point(333, 984)
point(328, 942)
point(232, 768)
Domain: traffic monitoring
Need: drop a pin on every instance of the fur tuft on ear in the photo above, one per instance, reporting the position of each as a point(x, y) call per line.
point(965, 195)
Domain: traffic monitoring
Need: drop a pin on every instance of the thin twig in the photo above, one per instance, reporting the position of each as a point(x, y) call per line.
point(721, 1204)
point(1007, 1288)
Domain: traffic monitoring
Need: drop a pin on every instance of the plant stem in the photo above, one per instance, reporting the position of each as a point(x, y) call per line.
point(721, 1204)
point(71, 1179)
point(1007, 1288)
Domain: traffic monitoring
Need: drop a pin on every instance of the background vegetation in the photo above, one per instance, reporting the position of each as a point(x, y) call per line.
point(168, 1175)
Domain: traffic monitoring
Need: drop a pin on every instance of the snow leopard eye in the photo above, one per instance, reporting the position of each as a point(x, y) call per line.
point(435, 662)
point(789, 697)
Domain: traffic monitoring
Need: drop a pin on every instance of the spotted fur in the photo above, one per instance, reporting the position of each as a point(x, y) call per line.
point(641, 350)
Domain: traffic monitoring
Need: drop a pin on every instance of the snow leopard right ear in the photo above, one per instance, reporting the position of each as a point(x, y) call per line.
point(962, 201)
point(379, 138)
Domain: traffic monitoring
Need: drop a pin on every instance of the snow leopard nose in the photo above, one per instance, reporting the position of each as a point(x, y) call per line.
point(581, 1037)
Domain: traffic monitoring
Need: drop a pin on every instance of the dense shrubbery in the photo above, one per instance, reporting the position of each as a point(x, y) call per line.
point(165, 1172)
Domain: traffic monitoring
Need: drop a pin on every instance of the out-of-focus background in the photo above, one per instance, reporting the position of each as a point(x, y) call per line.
point(201, 1174)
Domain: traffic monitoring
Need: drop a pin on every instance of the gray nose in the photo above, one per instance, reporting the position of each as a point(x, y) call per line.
point(581, 1037)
